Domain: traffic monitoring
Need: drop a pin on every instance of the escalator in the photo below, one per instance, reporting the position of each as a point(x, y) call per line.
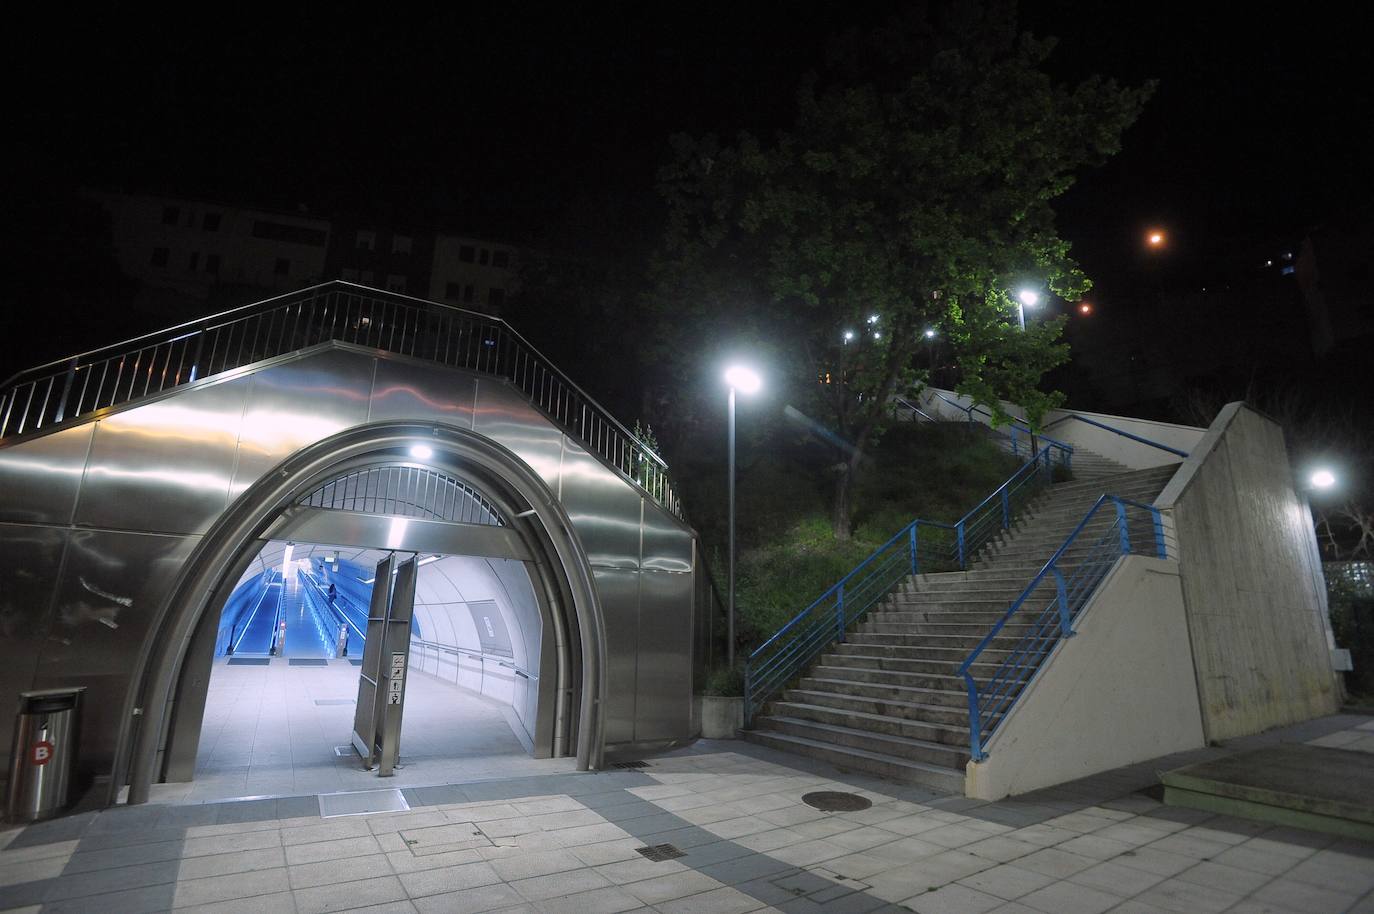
point(255, 637)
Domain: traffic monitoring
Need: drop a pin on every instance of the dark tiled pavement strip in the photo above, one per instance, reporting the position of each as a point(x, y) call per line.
point(569, 843)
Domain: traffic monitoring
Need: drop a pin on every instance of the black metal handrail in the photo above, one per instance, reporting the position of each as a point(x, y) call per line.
point(91, 383)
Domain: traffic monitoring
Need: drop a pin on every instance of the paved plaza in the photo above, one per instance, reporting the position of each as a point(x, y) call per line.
point(571, 842)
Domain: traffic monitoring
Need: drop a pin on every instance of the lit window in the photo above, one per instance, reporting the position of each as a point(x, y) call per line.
point(366, 241)
point(400, 244)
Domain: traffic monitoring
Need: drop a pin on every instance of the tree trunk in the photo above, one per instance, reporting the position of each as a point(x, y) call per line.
point(843, 510)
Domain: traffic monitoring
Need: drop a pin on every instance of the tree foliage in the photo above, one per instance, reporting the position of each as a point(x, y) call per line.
point(913, 191)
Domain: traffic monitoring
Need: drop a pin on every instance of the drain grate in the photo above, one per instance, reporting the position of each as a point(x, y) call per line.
point(302, 661)
point(836, 801)
point(660, 852)
point(324, 702)
point(249, 661)
point(634, 764)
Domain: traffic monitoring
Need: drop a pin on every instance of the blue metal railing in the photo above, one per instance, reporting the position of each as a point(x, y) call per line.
point(1122, 433)
point(1018, 434)
point(920, 547)
point(1075, 572)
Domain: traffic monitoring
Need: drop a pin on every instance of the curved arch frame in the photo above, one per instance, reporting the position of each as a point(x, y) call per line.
point(541, 519)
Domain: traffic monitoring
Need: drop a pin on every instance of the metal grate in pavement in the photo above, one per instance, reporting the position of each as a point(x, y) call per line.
point(660, 853)
point(634, 764)
point(307, 661)
point(249, 661)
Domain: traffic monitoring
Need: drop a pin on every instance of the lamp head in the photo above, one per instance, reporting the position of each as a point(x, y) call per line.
point(745, 380)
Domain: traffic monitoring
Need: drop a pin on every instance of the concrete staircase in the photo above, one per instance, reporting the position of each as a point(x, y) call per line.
point(889, 701)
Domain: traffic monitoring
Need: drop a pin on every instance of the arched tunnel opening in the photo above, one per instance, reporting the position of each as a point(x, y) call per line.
point(269, 693)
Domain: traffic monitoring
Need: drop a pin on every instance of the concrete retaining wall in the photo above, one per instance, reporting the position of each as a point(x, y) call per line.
point(1252, 580)
point(1120, 691)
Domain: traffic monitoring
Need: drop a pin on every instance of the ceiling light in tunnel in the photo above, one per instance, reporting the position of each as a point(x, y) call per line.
point(421, 451)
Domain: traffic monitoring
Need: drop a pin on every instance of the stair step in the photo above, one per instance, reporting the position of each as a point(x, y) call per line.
point(947, 734)
point(933, 681)
point(943, 755)
point(890, 707)
point(948, 698)
point(907, 772)
point(906, 665)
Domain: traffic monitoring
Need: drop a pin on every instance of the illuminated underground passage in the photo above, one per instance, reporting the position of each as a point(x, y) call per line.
point(339, 534)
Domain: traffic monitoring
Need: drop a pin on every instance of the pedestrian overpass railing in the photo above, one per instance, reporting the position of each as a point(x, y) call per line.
point(1047, 616)
point(92, 383)
point(1018, 438)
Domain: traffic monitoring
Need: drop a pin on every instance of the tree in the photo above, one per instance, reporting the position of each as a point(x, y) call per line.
point(912, 192)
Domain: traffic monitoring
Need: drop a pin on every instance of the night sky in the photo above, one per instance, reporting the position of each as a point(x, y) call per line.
point(532, 125)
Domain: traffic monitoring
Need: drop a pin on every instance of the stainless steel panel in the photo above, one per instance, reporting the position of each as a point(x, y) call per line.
point(112, 583)
point(604, 509)
point(290, 406)
point(506, 417)
point(29, 560)
point(667, 541)
point(405, 534)
point(40, 477)
point(663, 682)
point(619, 593)
point(403, 390)
point(164, 466)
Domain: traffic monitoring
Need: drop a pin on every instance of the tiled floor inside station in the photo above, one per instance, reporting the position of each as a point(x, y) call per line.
point(274, 730)
point(572, 842)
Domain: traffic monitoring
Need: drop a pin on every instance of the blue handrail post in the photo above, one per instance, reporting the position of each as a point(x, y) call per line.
point(839, 614)
point(1065, 623)
point(1159, 534)
point(1014, 451)
point(915, 562)
point(1006, 509)
point(959, 530)
point(1121, 522)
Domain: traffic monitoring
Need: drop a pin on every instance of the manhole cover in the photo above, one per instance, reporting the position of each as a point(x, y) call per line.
point(835, 801)
point(660, 852)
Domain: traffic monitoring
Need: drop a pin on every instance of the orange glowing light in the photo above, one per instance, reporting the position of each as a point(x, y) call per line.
point(1085, 308)
point(1156, 239)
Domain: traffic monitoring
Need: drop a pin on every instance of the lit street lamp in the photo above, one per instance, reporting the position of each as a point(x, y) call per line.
point(1026, 298)
point(1322, 479)
point(746, 381)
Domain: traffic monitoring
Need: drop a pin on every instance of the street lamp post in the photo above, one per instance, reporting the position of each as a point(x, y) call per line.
point(747, 381)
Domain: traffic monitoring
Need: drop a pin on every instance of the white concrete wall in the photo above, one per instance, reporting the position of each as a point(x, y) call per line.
point(443, 590)
point(1059, 426)
point(1120, 691)
point(1252, 580)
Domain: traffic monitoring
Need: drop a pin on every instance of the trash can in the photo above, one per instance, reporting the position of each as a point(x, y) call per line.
point(43, 756)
